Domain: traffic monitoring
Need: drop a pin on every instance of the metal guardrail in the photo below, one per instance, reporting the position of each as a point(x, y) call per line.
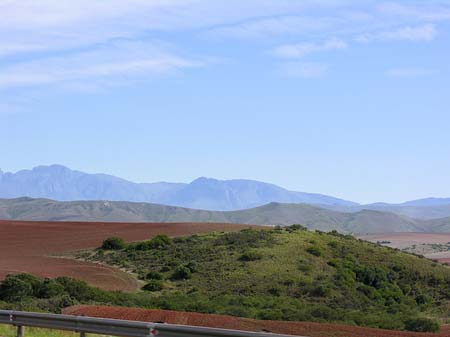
point(115, 327)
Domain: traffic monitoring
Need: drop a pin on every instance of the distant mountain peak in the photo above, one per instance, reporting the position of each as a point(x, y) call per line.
point(203, 180)
point(59, 182)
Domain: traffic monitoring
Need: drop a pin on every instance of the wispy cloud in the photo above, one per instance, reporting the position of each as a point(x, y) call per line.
point(300, 50)
point(426, 32)
point(38, 39)
point(430, 11)
point(124, 61)
point(411, 72)
point(275, 26)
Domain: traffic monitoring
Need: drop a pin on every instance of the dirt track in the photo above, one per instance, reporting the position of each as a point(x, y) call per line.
point(229, 322)
point(27, 246)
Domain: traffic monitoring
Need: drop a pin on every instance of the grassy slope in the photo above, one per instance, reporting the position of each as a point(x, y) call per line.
point(292, 275)
point(275, 213)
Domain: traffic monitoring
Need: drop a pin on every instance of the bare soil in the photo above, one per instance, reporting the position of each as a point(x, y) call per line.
point(236, 323)
point(28, 246)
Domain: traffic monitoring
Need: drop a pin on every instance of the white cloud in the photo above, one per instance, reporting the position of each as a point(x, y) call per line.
point(119, 62)
point(266, 27)
point(420, 33)
point(41, 31)
point(300, 50)
point(427, 11)
point(426, 32)
point(303, 69)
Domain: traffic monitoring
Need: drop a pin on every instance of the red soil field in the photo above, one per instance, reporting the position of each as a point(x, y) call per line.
point(236, 323)
point(27, 246)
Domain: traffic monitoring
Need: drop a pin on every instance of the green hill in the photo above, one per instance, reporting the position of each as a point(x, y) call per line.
point(313, 217)
point(280, 274)
point(288, 274)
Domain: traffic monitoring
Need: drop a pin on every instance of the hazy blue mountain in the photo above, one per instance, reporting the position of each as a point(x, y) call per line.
point(313, 217)
point(61, 183)
point(428, 202)
point(432, 211)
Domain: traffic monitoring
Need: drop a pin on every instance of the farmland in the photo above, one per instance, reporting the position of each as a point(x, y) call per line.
point(33, 247)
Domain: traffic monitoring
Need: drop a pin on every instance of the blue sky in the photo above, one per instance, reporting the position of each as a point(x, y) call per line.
point(348, 98)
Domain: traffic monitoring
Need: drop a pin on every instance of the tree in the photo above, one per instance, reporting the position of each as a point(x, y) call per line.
point(113, 243)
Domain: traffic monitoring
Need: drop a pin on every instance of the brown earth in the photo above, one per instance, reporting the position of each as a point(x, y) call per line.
point(236, 323)
point(27, 246)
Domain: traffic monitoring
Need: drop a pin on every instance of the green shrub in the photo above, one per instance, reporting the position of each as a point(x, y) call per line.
point(50, 288)
point(314, 250)
point(17, 287)
point(320, 291)
point(192, 266)
point(154, 275)
point(332, 244)
point(250, 256)
point(154, 285)
point(181, 273)
point(113, 243)
point(297, 227)
point(158, 242)
point(422, 325)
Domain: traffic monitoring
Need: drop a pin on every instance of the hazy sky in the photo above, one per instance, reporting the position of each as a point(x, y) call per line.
point(348, 98)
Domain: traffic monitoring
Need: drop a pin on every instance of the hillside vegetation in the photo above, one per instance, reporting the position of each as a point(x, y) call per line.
point(280, 274)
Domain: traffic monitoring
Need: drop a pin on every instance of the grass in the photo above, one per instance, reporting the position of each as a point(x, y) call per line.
point(10, 331)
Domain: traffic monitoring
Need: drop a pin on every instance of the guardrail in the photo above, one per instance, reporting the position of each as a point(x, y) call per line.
point(115, 327)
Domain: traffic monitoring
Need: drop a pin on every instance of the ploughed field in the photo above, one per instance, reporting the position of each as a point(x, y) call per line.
point(33, 247)
point(309, 329)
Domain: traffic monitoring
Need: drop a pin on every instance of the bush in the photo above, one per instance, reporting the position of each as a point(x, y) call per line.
point(77, 289)
point(297, 227)
point(250, 256)
point(181, 273)
point(153, 275)
point(314, 250)
point(50, 288)
point(158, 242)
point(192, 266)
point(154, 285)
point(422, 325)
point(17, 287)
point(113, 243)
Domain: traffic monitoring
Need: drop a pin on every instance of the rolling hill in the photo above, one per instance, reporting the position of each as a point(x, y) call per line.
point(417, 211)
point(285, 274)
point(362, 222)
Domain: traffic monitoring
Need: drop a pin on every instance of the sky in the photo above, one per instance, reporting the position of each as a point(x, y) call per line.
point(341, 97)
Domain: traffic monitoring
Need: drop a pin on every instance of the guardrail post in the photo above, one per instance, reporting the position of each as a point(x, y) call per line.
point(20, 331)
point(82, 334)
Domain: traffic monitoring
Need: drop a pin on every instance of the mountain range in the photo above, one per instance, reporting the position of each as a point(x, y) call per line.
point(61, 183)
